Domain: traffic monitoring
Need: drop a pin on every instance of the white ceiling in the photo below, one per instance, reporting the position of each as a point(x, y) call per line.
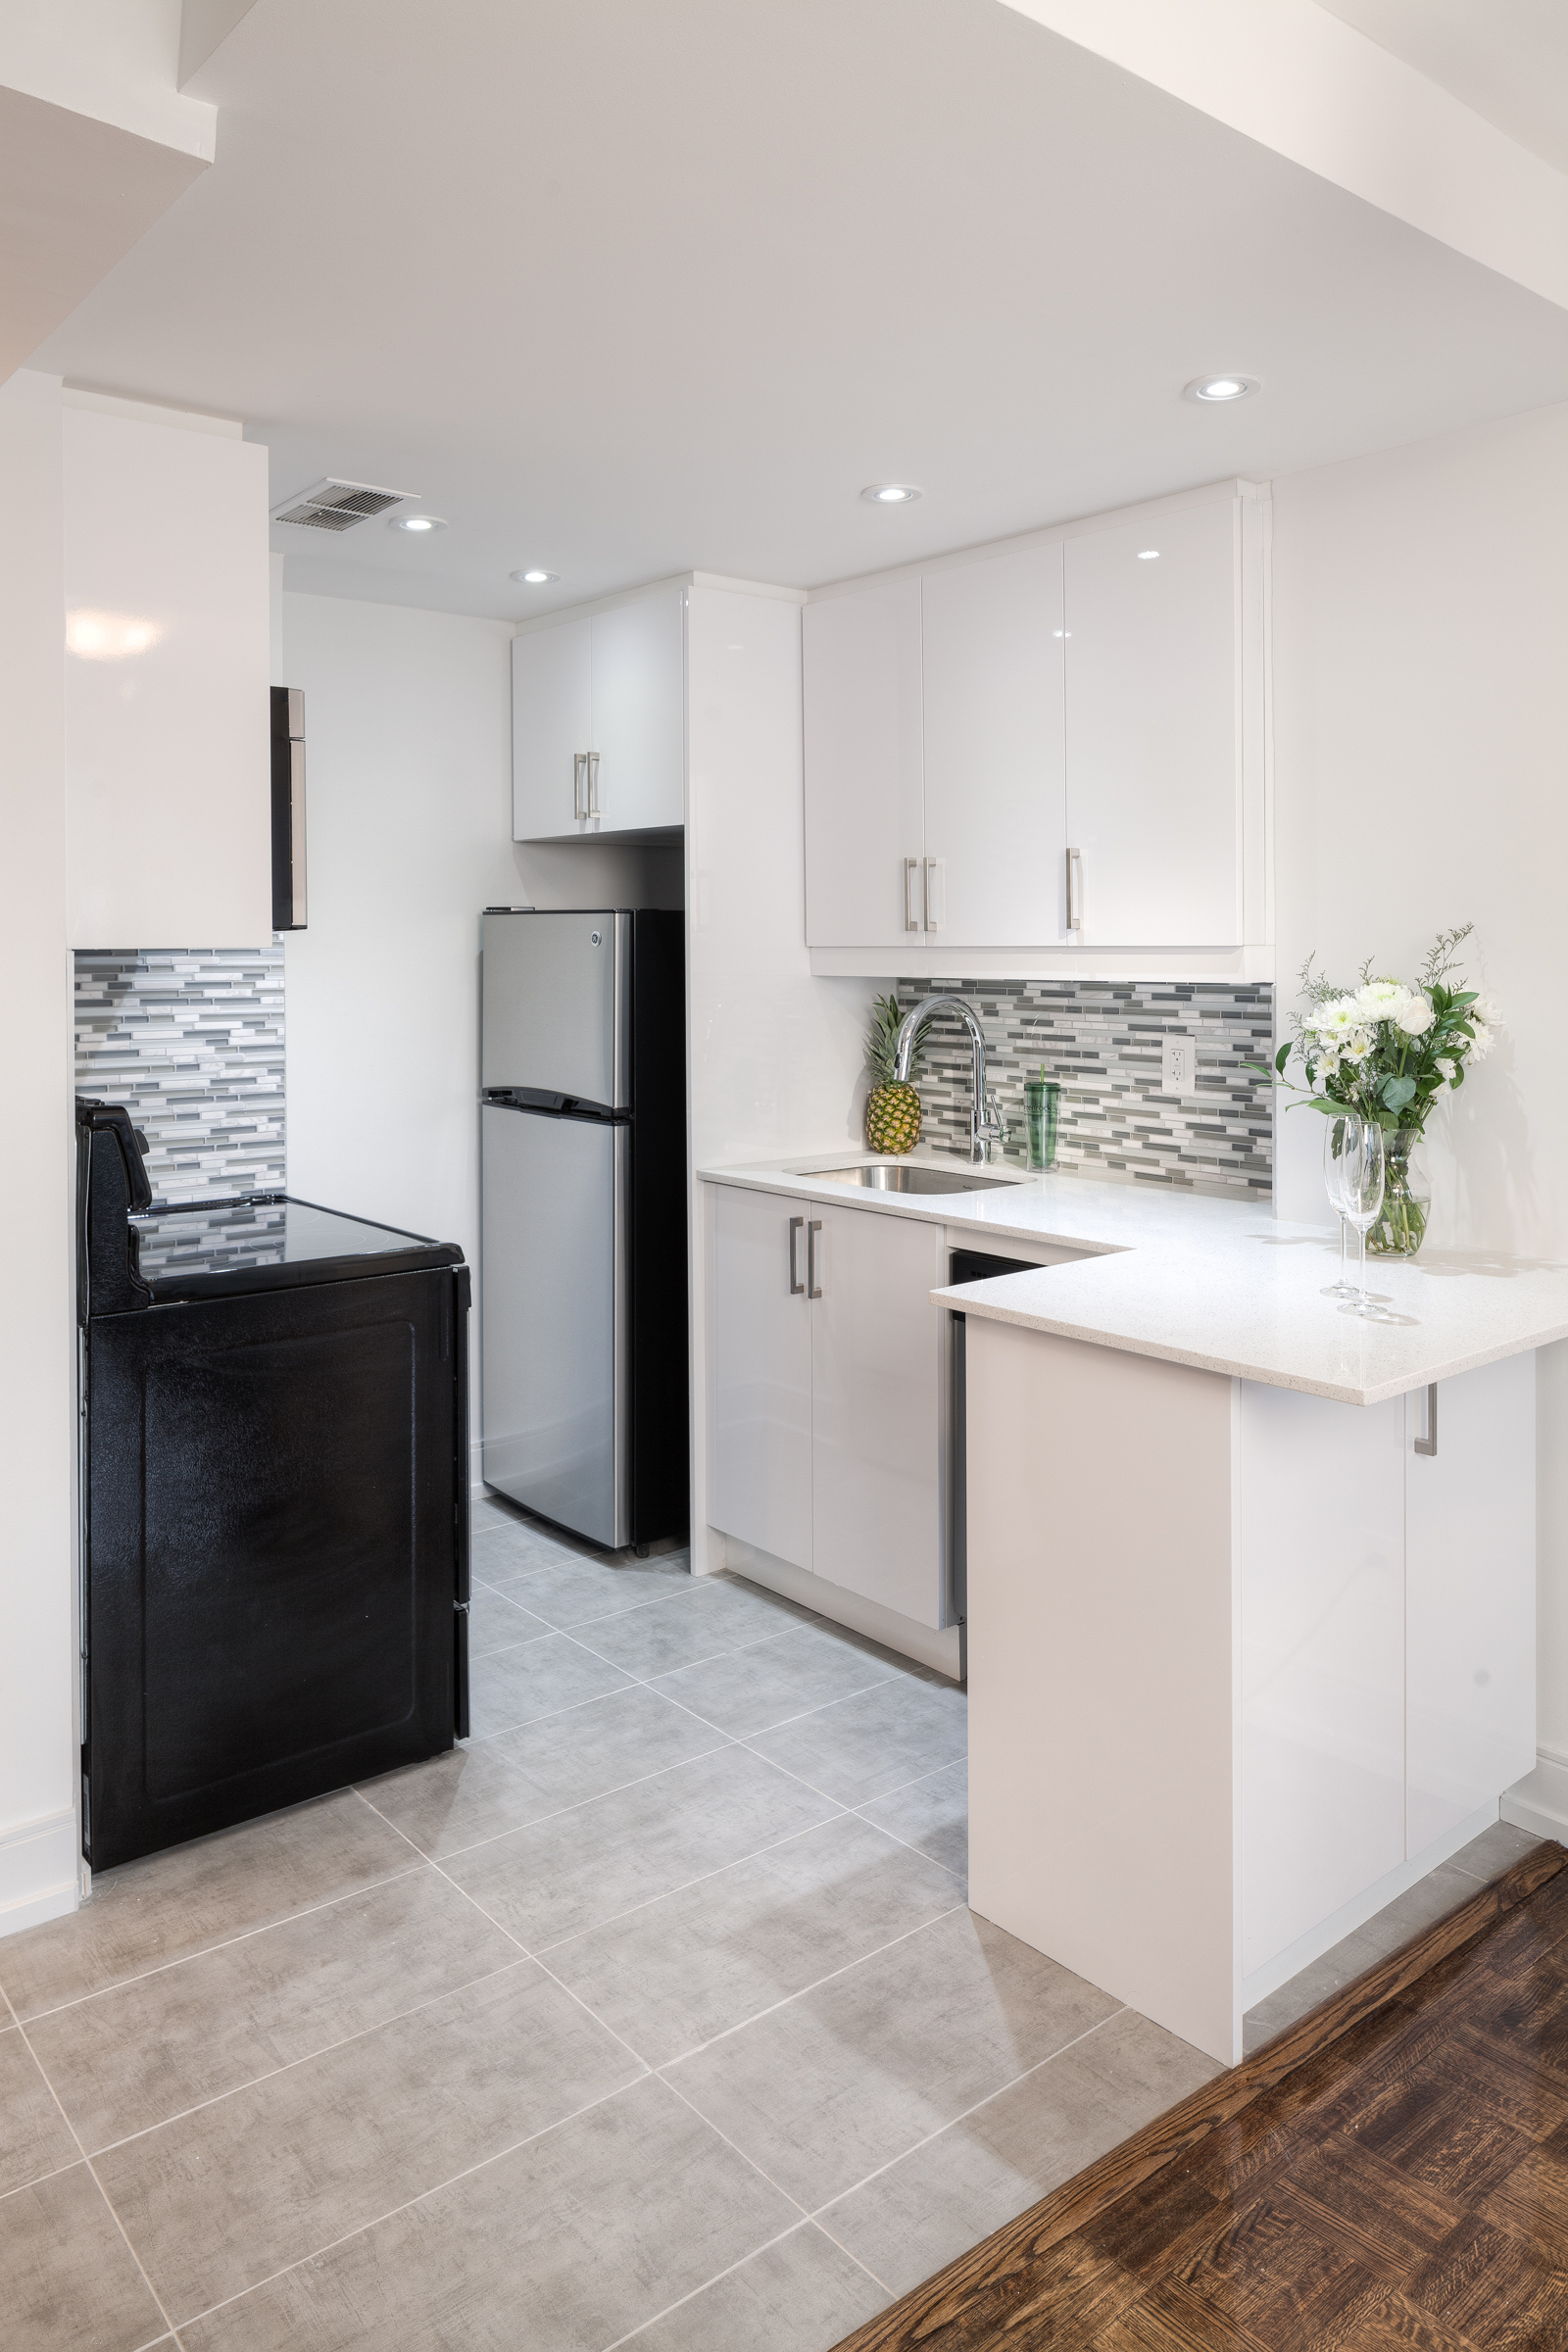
point(1506, 59)
point(623, 287)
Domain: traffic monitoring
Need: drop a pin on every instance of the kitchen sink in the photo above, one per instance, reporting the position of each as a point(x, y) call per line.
point(900, 1178)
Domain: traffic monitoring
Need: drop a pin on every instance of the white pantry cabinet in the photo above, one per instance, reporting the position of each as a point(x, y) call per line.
point(827, 1396)
point(865, 773)
point(598, 721)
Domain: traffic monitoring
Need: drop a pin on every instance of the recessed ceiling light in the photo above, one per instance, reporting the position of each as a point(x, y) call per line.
point(1219, 388)
point(418, 523)
point(535, 579)
point(1148, 555)
point(889, 494)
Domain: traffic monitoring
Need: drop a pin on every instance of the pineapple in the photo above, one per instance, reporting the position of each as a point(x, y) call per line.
point(893, 1108)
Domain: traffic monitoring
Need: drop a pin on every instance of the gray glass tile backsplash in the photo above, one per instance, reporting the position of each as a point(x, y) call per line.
point(191, 1041)
point(1102, 1041)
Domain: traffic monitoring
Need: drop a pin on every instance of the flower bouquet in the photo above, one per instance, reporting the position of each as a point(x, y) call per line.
point(1387, 1052)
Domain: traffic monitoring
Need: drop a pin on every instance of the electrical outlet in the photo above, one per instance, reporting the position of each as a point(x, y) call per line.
point(1178, 1065)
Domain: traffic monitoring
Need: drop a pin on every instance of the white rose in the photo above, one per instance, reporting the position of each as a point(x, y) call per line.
point(1415, 1018)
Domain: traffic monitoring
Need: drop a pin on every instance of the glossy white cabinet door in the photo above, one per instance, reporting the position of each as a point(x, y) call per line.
point(1470, 1588)
point(864, 810)
point(552, 727)
point(1153, 729)
point(877, 1410)
point(639, 667)
point(994, 781)
point(760, 1472)
point(1322, 1658)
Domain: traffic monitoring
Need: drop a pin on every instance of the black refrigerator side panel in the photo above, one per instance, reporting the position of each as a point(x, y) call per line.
point(461, 1457)
point(660, 1477)
point(273, 1551)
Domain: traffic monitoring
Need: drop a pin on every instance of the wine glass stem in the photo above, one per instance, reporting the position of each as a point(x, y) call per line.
point(1362, 1235)
point(1344, 1236)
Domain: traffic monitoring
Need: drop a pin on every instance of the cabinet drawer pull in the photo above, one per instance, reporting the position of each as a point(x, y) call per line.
point(911, 866)
point(580, 763)
point(934, 909)
point(1075, 890)
point(812, 1232)
point(1427, 1442)
point(592, 762)
point(797, 1286)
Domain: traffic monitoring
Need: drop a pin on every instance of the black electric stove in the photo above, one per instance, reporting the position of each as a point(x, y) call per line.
point(274, 1500)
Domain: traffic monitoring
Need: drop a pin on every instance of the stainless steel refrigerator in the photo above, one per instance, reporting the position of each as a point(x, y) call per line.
point(582, 1269)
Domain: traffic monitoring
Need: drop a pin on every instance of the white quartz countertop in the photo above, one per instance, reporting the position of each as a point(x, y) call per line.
point(1219, 1283)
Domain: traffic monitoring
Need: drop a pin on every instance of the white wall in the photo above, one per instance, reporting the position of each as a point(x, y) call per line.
point(408, 732)
point(38, 1843)
point(1421, 744)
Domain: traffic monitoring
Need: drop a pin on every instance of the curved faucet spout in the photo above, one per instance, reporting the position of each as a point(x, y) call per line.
point(985, 1124)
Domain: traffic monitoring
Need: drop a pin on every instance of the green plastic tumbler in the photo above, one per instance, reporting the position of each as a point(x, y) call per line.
point(1041, 1101)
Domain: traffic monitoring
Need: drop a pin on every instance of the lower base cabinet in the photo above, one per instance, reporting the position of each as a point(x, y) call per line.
point(828, 1395)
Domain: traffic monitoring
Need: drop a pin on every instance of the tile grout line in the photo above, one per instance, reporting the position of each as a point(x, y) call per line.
point(681, 2301)
point(618, 1789)
point(226, 1943)
point(954, 2120)
point(734, 2146)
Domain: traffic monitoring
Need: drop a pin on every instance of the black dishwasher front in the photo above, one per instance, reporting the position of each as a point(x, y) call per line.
point(966, 1265)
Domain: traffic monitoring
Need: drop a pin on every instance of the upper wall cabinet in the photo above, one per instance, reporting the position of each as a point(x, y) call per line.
point(168, 652)
point(1045, 752)
point(598, 721)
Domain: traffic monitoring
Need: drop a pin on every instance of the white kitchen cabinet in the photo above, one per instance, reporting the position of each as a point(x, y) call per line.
point(598, 731)
point(1153, 730)
point(760, 1470)
point(166, 660)
point(1470, 1690)
point(865, 787)
point(994, 778)
point(827, 1436)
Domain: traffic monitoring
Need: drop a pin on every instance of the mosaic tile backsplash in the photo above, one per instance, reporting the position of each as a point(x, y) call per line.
point(1101, 1039)
point(191, 1041)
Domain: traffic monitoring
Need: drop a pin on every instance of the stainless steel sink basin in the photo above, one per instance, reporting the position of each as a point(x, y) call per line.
point(901, 1178)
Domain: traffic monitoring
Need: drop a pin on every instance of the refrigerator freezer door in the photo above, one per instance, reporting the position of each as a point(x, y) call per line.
point(553, 1321)
point(556, 1001)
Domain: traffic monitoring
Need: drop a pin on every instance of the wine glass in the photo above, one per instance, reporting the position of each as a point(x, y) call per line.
point(1361, 1162)
point(1333, 1140)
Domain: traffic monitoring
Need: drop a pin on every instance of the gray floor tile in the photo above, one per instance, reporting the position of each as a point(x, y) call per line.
point(932, 1815)
point(496, 1623)
point(711, 1615)
point(517, 1686)
point(1420, 1906)
point(564, 2245)
point(130, 2057)
point(568, 1590)
point(171, 1906)
point(784, 1675)
point(1498, 1848)
point(848, 2076)
point(861, 1748)
point(68, 2279)
point(578, 1869)
point(481, 1790)
point(944, 2198)
point(698, 1962)
point(216, 2201)
point(802, 2294)
point(34, 2136)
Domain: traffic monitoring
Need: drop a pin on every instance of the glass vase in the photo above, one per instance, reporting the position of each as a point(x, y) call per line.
point(1042, 1103)
point(1402, 1223)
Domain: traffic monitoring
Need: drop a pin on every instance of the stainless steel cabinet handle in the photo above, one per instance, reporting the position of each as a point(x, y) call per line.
point(580, 763)
point(797, 1286)
point(1427, 1442)
point(592, 758)
point(911, 866)
point(932, 886)
point(1075, 890)
point(812, 1232)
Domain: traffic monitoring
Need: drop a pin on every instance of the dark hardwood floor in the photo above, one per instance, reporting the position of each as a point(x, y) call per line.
point(1391, 2171)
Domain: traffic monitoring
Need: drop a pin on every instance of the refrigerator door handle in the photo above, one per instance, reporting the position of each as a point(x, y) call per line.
point(621, 1341)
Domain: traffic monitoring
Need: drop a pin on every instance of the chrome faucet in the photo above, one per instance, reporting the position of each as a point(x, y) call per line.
point(985, 1117)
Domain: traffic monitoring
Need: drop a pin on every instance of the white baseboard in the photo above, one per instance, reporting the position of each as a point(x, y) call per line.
point(1540, 1801)
point(1354, 1914)
point(39, 1872)
point(924, 1644)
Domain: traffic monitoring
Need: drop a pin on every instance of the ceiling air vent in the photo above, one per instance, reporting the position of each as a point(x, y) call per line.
point(334, 506)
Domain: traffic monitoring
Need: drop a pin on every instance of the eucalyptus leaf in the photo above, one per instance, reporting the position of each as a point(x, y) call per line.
point(1398, 1092)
